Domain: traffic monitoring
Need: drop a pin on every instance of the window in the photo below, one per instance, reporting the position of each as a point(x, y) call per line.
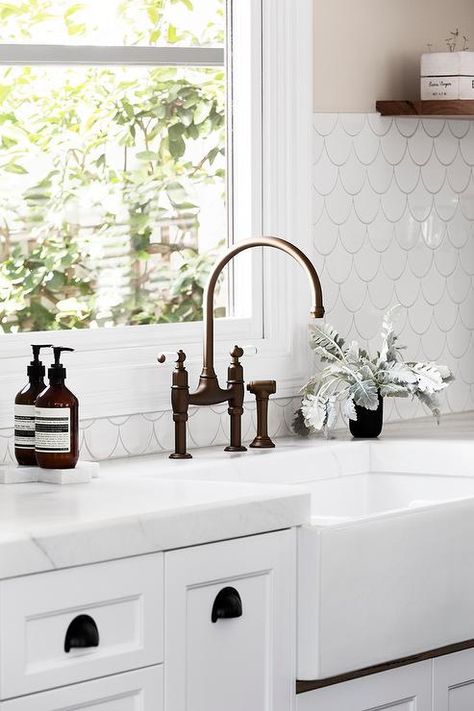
point(112, 161)
point(267, 60)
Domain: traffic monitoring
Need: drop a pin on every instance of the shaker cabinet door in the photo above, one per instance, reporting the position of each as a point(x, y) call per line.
point(453, 682)
point(230, 625)
point(404, 689)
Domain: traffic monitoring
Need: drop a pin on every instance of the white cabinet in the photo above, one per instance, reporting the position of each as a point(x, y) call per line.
point(403, 689)
point(242, 658)
point(111, 613)
point(140, 690)
point(453, 682)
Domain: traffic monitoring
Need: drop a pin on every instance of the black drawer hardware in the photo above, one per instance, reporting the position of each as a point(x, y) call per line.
point(228, 604)
point(81, 633)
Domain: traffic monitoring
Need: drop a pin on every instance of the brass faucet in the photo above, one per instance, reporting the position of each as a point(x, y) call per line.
point(209, 391)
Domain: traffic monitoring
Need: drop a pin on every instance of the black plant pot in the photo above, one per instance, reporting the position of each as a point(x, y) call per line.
point(369, 423)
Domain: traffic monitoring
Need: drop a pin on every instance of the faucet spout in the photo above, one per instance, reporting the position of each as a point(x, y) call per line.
point(276, 242)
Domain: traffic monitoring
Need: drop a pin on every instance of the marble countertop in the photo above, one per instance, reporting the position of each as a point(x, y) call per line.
point(146, 504)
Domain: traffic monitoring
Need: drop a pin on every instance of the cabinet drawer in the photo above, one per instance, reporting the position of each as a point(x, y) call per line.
point(118, 604)
point(140, 690)
point(240, 662)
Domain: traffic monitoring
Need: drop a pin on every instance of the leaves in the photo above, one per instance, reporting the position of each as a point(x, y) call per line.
point(353, 378)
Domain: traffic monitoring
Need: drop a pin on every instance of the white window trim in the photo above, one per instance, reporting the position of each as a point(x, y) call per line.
point(114, 372)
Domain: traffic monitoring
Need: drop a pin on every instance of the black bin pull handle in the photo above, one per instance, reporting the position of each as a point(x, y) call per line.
point(81, 633)
point(227, 605)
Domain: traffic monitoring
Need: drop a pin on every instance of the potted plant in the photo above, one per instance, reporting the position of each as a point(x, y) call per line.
point(359, 382)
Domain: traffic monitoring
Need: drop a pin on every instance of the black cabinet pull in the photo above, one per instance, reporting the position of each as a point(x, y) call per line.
point(81, 633)
point(227, 605)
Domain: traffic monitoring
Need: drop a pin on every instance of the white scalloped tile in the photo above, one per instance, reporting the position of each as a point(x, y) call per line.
point(467, 145)
point(354, 294)
point(379, 125)
point(325, 234)
point(466, 313)
point(459, 285)
point(459, 128)
point(446, 260)
point(366, 204)
point(459, 229)
point(466, 258)
point(339, 204)
point(353, 174)
point(324, 124)
point(394, 145)
point(407, 289)
point(367, 323)
point(433, 342)
point(325, 175)
point(339, 264)
point(319, 205)
point(421, 260)
point(420, 202)
point(338, 145)
point(420, 319)
point(394, 203)
point(433, 127)
point(353, 123)
point(407, 231)
point(433, 174)
point(407, 174)
point(446, 202)
point(433, 231)
point(380, 174)
point(434, 288)
point(420, 146)
point(446, 146)
point(367, 263)
point(353, 234)
point(459, 343)
point(394, 261)
point(366, 145)
point(459, 174)
point(381, 233)
point(381, 292)
point(318, 146)
point(466, 201)
point(446, 314)
point(407, 126)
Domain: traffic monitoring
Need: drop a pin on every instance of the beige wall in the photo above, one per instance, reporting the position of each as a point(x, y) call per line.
point(370, 49)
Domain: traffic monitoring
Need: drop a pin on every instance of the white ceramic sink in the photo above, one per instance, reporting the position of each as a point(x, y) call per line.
point(386, 569)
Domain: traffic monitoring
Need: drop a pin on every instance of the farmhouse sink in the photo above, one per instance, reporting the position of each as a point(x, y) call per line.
point(386, 569)
point(386, 561)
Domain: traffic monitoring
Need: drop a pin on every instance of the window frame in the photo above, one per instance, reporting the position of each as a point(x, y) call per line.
point(114, 371)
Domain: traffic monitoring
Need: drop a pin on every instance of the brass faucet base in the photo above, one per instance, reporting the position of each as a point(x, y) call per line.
point(235, 449)
point(176, 455)
point(262, 443)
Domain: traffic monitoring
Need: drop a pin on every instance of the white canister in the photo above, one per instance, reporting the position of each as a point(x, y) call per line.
point(447, 76)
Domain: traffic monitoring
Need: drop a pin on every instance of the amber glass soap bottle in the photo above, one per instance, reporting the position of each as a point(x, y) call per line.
point(57, 420)
point(25, 410)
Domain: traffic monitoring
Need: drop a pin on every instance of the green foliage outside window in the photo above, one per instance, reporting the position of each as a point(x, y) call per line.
point(100, 168)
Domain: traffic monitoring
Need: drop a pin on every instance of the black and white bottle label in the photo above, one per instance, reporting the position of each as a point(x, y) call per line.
point(25, 426)
point(53, 429)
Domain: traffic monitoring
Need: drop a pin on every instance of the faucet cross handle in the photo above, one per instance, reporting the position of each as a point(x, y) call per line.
point(236, 353)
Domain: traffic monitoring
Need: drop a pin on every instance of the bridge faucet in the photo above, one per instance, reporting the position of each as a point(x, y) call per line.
point(209, 391)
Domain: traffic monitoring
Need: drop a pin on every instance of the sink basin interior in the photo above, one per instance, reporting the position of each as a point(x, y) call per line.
point(364, 495)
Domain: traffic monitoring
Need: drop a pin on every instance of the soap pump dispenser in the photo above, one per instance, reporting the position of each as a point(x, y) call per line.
point(25, 409)
point(57, 420)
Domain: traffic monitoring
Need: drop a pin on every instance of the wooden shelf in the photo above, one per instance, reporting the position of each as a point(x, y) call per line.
point(437, 109)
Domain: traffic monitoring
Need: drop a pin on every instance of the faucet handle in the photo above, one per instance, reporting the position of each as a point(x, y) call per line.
point(180, 357)
point(238, 351)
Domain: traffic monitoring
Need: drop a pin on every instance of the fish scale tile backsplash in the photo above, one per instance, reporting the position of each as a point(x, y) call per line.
point(393, 211)
point(393, 206)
